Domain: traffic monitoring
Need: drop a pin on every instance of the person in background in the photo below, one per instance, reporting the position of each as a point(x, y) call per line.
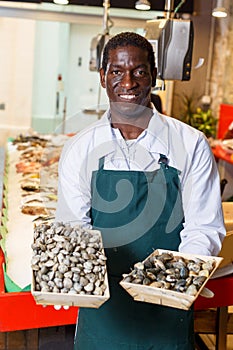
point(156, 100)
point(146, 181)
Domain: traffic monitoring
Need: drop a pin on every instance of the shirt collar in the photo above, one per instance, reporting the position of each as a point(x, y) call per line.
point(155, 137)
point(158, 140)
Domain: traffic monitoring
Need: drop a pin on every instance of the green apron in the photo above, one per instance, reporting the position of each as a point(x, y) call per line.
point(148, 216)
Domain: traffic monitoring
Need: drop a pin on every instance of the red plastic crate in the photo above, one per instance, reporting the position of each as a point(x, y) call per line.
point(18, 311)
point(225, 119)
point(220, 153)
point(222, 288)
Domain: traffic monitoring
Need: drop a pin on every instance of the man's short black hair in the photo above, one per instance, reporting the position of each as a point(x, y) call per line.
point(128, 39)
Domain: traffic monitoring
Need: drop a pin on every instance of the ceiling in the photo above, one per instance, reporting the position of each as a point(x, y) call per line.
point(156, 5)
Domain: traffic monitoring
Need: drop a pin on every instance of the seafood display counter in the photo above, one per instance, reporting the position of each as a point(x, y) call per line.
point(18, 309)
point(28, 178)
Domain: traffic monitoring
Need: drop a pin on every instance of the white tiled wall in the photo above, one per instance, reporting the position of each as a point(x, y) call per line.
point(16, 74)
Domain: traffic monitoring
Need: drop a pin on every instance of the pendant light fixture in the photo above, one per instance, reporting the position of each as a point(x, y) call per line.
point(219, 11)
point(143, 5)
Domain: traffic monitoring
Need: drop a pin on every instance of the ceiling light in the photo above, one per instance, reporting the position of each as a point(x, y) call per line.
point(219, 10)
point(142, 5)
point(61, 2)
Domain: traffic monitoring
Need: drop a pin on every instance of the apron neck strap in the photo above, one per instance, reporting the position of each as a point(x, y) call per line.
point(163, 161)
point(101, 162)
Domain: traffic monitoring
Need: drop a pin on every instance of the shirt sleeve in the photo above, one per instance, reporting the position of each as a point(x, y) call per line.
point(74, 193)
point(204, 228)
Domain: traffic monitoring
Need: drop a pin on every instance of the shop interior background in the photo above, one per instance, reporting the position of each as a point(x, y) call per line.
point(41, 42)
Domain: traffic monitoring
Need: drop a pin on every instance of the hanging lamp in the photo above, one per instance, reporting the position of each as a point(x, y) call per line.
point(61, 2)
point(219, 11)
point(143, 5)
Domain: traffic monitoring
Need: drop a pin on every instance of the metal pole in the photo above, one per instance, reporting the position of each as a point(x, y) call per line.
point(64, 116)
point(210, 56)
point(169, 8)
point(106, 5)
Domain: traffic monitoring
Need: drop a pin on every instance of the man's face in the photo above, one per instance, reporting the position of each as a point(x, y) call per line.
point(128, 80)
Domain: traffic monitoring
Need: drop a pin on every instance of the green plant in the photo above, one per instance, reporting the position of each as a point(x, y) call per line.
point(201, 119)
point(204, 121)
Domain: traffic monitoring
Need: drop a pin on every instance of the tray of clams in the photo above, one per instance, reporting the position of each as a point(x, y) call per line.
point(170, 278)
point(68, 266)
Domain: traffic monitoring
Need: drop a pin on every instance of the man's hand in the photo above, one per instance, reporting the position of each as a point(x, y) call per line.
point(207, 293)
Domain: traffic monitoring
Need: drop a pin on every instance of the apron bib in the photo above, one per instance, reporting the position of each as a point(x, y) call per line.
point(136, 212)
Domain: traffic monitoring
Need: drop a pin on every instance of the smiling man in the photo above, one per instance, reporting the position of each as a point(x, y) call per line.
point(146, 181)
point(128, 76)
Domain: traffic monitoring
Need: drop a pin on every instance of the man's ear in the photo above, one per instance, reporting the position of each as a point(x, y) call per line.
point(154, 75)
point(102, 78)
